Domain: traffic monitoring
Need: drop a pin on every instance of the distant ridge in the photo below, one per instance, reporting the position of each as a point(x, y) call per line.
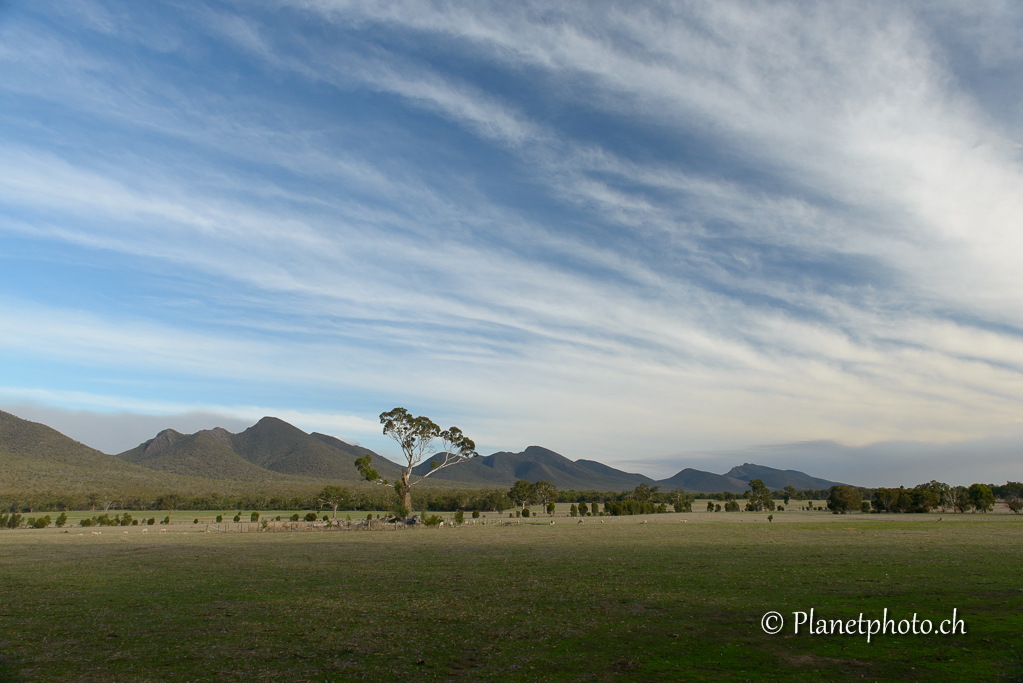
point(273, 452)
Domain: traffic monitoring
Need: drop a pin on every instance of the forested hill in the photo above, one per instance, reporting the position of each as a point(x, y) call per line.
point(274, 453)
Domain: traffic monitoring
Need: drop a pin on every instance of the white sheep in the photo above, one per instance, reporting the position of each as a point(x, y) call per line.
point(145, 531)
point(163, 531)
point(96, 533)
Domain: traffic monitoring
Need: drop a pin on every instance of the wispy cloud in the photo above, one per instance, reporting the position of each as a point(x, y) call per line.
point(598, 227)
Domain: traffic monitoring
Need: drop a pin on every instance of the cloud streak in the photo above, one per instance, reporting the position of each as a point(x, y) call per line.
point(601, 228)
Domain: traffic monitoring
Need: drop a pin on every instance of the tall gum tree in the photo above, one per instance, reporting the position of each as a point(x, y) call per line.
point(418, 437)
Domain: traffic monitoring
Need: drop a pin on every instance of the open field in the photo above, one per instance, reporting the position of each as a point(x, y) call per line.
point(621, 600)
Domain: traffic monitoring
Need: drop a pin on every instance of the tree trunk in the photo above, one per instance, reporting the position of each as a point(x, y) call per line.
point(407, 491)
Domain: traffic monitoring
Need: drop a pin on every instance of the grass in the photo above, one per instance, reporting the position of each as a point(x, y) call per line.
point(531, 602)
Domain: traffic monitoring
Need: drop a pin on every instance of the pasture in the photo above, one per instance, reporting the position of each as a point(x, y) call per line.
point(622, 600)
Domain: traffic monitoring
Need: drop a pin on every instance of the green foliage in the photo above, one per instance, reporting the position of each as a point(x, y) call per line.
point(521, 492)
point(459, 517)
point(525, 512)
point(759, 497)
point(717, 507)
point(732, 506)
point(475, 514)
point(220, 518)
point(770, 518)
point(842, 499)
point(366, 470)
point(710, 506)
point(237, 518)
point(151, 521)
point(295, 517)
point(166, 520)
point(40, 523)
point(643, 493)
point(1014, 496)
point(981, 497)
point(583, 509)
point(865, 507)
point(87, 522)
point(195, 521)
point(573, 511)
point(550, 508)
point(432, 520)
point(311, 517)
point(62, 519)
point(254, 517)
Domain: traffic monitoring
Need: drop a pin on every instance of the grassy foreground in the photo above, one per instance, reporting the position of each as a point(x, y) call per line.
point(569, 602)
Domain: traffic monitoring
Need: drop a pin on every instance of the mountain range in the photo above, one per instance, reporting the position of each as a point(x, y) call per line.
point(273, 452)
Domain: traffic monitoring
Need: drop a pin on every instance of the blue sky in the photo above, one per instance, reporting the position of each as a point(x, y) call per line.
point(652, 234)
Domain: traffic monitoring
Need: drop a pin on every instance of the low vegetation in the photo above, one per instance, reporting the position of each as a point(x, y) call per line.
point(620, 600)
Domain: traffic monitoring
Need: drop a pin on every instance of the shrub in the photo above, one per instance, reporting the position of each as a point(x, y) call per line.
point(151, 521)
point(432, 520)
point(237, 518)
point(220, 518)
point(717, 508)
point(62, 519)
point(254, 517)
point(87, 522)
point(573, 511)
point(369, 516)
point(134, 522)
point(195, 521)
point(311, 517)
point(525, 512)
point(126, 519)
point(475, 514)
point(583, 509)
point(459, 517)
point(166, 520)
point(278, 518)
point(264, 524)
point(295, 517)
point(42, 522)
point(550, 508)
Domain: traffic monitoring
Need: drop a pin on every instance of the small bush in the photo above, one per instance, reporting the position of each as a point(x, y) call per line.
point(254, 517)
point(166, 520)
point(311, 517)
point(151, 521)
point(459, 517)
point(237, 518)
point(432, 520)
point(220, 518)
point(295, 517)
point(264, 524)
point(195, 521)
point(42, 522)
point(369, 516)
point(278, 518)
point(62, 519)
point(87, 522)
point(525, 512)
point(326, 518)
point(134, 522)
point(475, 514)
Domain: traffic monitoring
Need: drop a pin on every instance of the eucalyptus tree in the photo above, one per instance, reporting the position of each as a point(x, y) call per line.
point(334, 497)
point(418, 437)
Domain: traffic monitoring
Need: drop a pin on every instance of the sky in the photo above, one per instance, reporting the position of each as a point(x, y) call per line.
point(658, 235)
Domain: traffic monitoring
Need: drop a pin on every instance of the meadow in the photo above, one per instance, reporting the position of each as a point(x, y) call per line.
point(678, 598)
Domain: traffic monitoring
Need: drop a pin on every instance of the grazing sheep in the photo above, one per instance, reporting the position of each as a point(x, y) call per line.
point(163, 531)
point(95, 533)
point(79, 534)
point(552, 522)
point(601, 521)
point(580, 521)
point(145, 531)
point(643, 522)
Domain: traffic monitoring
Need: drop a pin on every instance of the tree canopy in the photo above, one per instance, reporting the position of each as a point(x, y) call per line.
point(417, 437)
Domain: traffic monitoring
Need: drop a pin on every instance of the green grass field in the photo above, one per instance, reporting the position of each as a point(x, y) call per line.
point(532, 602)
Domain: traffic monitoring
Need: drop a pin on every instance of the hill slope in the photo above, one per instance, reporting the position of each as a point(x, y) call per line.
point(203, 454)
point(778, 479)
